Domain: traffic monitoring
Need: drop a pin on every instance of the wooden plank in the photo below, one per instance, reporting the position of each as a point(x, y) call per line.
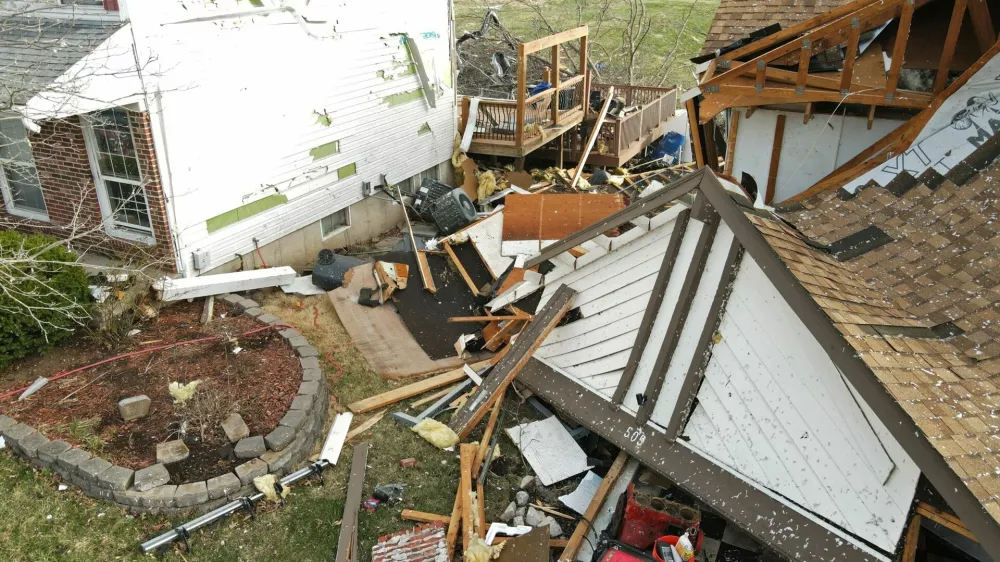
point(455, 523)
point(461, 270)
point(871, 117)
point(946, 519)
point(911, 541)
point(368, 424)
point(423, 517)
point(576, 539)
point(772, 174)
point(692, 111)
point(467, 455)
point(481, 510)
point(803, 70)
point(982, 24)
point(593, 137)
point(585, 71)
point(433, 397)
point(425, 271)
point(484, 442)
point(217, 284)
point(555, 87)
point(555, 39)
point(551, 511)
point(411, 390)
point(522, 85)
point(899, 49)
point(517, 356)
point(490, 318)
point(654, 305)
point(950, 42)
point(349, 522)
point(206, 314)
point(503, 335)
point(850, 56)
point(808, 114)
point(734, 122)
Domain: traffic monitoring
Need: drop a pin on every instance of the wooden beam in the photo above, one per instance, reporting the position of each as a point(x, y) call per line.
point(496, 382)
point(355, 485)
point(456, 522)
point(911, 541)
point(555, 39)
point(467, 455)
point(850, 56)
point(593, 137)
point(772, 173)
point(711, 151)
point(580, 533)
point(551, 511)
point(950, 42)
point(898, 50)
point(946, 519)
point(982, 24)
point(368, 424)
point(871, 117)
point(423, 517)
point(433, 397)
point(734, 121)
point(411, 390)
point(554, 106)
point(803, 71)
point(750, 111)
point(585, 70)
point(484, 442)
point(522, 85)
point(699, 156)
point(480, 510)
point(490, 318)
point(461, 270)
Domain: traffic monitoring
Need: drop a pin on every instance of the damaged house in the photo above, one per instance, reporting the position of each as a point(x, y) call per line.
point(177, 128)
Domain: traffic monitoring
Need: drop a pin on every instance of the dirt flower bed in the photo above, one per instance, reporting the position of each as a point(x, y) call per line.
point(256, 375)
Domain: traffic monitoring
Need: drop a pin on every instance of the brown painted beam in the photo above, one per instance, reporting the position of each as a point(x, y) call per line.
point(772, 173)
point(847, 75)
point(692, 111)
point(690, 385)
point(950, 42)
point(982, 24)
point(653, 306)
point(678, 317)
point(349, 521)
point(898, 50)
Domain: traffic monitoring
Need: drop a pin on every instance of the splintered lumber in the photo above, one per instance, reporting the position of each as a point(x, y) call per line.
point(422, 265)
point(433, 397)
point(490, 318)
point(580, 533)
point(911, 540)
point(455, 523)
point(593, 137)
point(551, 511)
point(411, 515)
point(517, 356)
point(349, 522)
point(945, 519)
point(461, 270)
point(368, 424)
point(484, 443)
point(481, 510)
point(467, 454)
point(411, 390)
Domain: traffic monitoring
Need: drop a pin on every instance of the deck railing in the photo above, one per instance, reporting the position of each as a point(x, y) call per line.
point(656, 106)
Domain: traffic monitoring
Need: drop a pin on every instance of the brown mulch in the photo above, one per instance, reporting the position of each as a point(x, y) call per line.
point(259, 382)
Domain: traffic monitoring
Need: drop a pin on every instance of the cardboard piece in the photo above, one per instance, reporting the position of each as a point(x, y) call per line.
point(471, 183)
point(530, 547)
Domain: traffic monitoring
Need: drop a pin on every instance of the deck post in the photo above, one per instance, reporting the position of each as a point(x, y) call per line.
point(522, 79)
point(555, 86)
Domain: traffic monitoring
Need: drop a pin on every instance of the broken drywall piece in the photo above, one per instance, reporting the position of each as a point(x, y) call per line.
point(302, 286)
point(579, 499)
point(470, 127)
point(549, 449)
point(236, 282)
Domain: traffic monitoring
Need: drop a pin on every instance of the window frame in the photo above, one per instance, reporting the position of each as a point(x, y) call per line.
point(339, 229)
point(8, 196)
point(112, 226)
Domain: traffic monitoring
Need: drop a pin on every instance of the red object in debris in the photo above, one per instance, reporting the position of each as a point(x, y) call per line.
point(408, 463)
point(614, 554)
point(111, 5)
point(371, 504)
point(644, 524)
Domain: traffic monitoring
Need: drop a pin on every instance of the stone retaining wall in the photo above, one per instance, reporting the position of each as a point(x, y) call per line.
point(146, 490)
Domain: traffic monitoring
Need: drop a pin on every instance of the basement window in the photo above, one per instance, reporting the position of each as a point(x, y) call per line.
point(334, 224)
point(22, 192)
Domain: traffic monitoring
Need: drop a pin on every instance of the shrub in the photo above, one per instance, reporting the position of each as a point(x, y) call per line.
point(43, 294)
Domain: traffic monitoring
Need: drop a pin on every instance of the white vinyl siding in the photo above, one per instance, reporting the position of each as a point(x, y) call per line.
point(22, 192)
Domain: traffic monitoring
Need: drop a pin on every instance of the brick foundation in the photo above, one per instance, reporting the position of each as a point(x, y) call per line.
point(68, 187)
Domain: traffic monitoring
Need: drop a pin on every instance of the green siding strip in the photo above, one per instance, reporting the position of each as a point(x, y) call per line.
point(246, 211)
point(324, 150)
point(424, 129)
point(347, 171)
point(404, 97)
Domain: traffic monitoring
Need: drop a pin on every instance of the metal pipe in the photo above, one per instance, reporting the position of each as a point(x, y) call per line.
point(183, 531)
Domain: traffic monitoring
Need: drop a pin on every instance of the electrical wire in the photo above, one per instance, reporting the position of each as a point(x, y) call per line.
point(143, 352)
point(260, 255)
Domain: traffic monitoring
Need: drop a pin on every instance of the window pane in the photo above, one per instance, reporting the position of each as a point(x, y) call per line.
point(332, 222)
point(116, 154)
point(128, 204)
point(14, 141)
point(25, 192)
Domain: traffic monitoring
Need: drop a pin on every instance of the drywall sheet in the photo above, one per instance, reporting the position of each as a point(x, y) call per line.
point(554, 216)
point(549, 449)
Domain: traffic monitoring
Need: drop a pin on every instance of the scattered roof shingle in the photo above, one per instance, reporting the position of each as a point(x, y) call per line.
point(735, 19)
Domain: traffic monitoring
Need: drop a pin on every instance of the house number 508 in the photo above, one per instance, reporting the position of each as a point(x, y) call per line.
point(635, 435)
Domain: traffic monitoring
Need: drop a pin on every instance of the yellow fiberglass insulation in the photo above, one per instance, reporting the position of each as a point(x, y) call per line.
point(436, 433)
point(182, 392)
point(478, 551)
point(487, 184)
point(266, 485)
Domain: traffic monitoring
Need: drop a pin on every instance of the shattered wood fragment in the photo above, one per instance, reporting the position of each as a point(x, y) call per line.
point(408, 391)
point(455, 523)
point(490, 318)
point(484, 443)
point(434, 396)
point(411, 515)
point(481, 510)
point(469, 512)
point(576, 540)
point(516, 356)
point(461, 269)
point(368, 424)
point(349, 522)
point(425, 271)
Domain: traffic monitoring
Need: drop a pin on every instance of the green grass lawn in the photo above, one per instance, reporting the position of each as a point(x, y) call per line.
point(524, 22)
point(38, 523)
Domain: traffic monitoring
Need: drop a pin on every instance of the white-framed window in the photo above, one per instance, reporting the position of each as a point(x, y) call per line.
point(22, 193)
point(117, 173)
point(335, 223)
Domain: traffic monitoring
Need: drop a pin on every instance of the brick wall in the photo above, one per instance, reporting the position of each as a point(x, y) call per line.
point(426, 543)
point(69, 191)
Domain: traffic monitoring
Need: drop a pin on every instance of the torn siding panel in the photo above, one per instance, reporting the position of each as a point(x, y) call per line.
point(243, 120)
point(776, 411)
